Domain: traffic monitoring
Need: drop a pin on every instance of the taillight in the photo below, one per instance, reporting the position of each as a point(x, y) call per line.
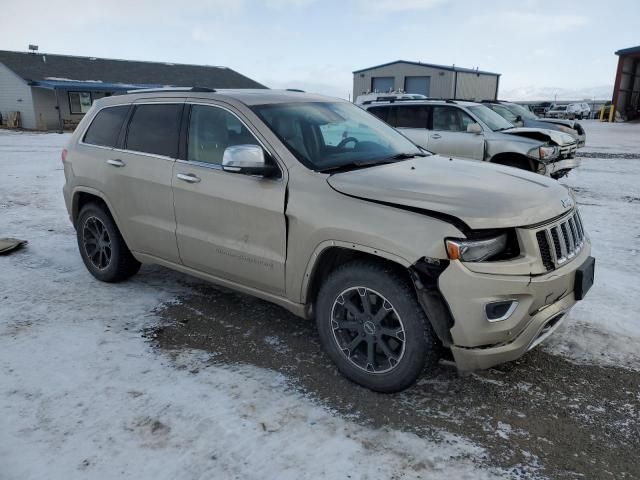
point(63, 155)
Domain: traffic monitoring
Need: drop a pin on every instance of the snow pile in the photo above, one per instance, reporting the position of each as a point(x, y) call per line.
point(82, 395)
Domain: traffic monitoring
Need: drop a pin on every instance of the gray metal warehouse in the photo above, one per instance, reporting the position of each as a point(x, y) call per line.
point(437, 81)
point(51, 92)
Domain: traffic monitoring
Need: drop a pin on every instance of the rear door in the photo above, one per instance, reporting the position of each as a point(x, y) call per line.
point(138, 180)
point(412, 121)
point(229, 225)
point(448, 134)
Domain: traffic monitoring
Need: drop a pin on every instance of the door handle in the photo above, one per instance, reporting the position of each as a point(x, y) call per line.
point(116, 162)
point(190, 178)
point(436, 136)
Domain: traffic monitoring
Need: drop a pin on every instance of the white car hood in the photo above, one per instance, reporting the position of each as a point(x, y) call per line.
point(482, 195)
point(557, 137)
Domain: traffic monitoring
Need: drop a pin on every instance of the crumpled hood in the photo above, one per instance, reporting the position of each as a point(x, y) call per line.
point(559, 121)
point(555, 136)
point(480, 194)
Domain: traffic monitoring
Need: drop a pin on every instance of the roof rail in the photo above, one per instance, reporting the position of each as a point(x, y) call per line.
point(295, 90)
point(393, 100)
point(171, 89)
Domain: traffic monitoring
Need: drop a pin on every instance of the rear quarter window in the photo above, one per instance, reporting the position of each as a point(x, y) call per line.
point(381, 112)
point(155, 128)
point(105, 127)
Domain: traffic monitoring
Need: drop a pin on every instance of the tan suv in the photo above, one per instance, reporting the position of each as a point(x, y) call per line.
point(316, 205)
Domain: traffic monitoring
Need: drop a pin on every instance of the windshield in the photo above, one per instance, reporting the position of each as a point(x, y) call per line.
point(520, 110)
point(490, 118)
point(504, 112)
point(327, 135)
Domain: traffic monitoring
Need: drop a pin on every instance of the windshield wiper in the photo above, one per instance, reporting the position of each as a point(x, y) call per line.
point(406, 156)
point(354, 165)
point(370, 163)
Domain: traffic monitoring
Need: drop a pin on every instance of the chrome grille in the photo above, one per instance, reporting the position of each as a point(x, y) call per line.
point(561, 241)
point(568, 150)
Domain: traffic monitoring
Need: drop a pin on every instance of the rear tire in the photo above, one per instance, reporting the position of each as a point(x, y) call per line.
point(373, 328)
point(102, 248)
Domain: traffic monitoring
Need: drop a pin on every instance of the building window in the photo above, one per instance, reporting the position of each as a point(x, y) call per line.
point(79, 102)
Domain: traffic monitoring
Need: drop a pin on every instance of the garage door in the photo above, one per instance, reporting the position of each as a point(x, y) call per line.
point(417, 85)
point(382, 84)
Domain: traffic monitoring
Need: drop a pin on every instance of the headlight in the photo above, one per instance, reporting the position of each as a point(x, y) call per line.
point(475, 250)
point(546, 152)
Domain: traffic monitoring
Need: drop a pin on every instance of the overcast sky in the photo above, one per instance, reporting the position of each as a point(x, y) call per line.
point(563, 46)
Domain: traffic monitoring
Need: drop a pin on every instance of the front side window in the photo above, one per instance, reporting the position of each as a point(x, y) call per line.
point(451, 119)
point(490, 118)
point(154, 128)
point(211, 131)
point(327, 135)
point(79, 102)
point(105, 127)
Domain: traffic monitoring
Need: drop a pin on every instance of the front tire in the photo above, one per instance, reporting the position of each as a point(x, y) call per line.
point(373, 328)
point(102, 248)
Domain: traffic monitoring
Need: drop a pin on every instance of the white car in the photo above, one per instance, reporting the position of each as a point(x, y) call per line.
point(570, 111)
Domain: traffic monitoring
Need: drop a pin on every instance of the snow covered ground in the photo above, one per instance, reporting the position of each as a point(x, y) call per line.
point(83, 395)
point(607, 137)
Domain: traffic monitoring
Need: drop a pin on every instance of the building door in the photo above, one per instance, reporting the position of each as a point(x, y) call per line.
point(382, 84)
point(420, 85)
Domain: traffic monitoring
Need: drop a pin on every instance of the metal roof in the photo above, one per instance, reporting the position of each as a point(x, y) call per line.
point(87, 86)
point(627, 51)
point(46, 67)
point(450, 68)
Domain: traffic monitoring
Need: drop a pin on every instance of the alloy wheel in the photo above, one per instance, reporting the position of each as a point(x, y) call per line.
point(97, 243)
point(368, 330)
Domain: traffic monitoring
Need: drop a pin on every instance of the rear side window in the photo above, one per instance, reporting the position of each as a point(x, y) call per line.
point(155, 129)
point(105, 128)
point(411, 116)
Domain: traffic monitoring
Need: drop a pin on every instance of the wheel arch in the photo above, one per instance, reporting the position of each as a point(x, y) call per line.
point(330, 254)
point(83, 195)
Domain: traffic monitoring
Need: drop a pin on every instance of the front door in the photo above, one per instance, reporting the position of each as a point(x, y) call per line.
point(229, 225)
point(448, 134)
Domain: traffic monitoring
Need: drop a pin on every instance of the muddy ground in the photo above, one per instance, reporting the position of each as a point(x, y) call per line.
point(541, 415)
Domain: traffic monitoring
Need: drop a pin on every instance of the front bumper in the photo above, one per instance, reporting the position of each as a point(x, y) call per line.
point(566, 164)
point(543, 302)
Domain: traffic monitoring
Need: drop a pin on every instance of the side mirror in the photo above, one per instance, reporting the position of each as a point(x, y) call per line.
point(248, 160)
point(474, 128)
point(519, 122)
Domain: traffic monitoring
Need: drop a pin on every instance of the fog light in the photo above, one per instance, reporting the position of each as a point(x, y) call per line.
point(498, 311)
